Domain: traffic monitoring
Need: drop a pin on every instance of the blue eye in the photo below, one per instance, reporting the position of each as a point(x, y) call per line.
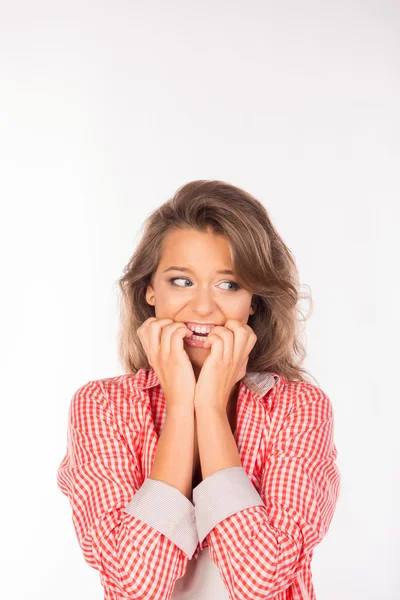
point(173, 279)
point(237, 286)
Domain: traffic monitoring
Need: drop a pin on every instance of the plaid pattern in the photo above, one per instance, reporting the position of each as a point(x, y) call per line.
point(288, 483)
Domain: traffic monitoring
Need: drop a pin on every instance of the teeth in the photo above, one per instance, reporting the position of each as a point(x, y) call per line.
point(197, 337)
point(200, 328)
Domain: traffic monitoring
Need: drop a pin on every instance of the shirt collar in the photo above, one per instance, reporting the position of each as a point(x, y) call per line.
point(258, 382)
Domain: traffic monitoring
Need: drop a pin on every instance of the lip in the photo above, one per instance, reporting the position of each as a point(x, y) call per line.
point(197, 323)
point(195, 343)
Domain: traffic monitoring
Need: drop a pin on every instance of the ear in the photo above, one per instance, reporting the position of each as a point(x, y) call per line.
point(150, 295)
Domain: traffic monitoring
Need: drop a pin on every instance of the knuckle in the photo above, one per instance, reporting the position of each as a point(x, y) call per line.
point(166, 323)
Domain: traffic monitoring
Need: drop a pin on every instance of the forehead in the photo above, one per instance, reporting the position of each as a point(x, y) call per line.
point(191, 248)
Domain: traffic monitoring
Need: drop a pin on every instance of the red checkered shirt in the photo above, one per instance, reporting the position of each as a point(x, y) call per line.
point(260, 522)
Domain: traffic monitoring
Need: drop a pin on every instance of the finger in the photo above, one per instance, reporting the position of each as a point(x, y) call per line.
point(221, 342)
point(168, 333)
point(154, 334)
point(177, 337)
point(228, 338)
point(143, 335)
point(251, 342)
point(240, 338)
point(241, 344)
point(142, 331)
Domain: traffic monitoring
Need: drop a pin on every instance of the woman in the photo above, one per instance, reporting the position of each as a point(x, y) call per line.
point(213, 438)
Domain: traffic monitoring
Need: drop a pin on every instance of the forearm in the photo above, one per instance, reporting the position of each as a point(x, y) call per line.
point(173, 462)
point(217, 445)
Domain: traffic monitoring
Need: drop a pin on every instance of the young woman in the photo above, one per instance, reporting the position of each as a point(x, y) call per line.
point(207, 471)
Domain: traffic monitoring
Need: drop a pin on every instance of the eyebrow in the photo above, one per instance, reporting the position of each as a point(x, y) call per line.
point(223, 271)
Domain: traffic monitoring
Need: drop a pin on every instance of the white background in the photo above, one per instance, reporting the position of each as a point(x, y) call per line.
point(106, 109)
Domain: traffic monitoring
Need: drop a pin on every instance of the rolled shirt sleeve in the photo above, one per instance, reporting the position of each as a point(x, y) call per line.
point(260, 540)
point(138, 535)
point(165, 508)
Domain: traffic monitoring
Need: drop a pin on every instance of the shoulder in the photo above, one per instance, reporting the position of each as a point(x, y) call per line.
point(300, 396)
point(120, 396)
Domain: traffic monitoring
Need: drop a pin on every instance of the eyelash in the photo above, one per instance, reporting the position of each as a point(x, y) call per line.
point(231, 290)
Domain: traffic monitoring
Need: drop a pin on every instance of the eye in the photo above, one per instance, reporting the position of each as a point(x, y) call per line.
point(173, 279)
point(237, 286)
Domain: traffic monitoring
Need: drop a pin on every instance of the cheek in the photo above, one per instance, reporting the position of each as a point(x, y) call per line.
point(170, 306)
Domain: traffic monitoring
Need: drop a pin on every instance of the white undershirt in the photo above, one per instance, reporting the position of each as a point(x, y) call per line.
point(201, 581)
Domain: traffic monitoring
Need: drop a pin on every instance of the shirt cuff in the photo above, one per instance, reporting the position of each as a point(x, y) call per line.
point(221, 495)
point(166, 509)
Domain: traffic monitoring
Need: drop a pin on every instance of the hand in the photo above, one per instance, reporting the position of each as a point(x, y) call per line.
point(162, 340)
point(225, 365)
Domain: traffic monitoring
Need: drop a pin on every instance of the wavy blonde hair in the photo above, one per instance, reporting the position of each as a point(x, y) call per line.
point(262, 263)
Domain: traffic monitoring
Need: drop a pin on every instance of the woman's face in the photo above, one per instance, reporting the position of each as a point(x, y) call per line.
point(196, 292)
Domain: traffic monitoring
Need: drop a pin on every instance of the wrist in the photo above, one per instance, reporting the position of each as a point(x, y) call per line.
point(179, 411)
point(208, 408)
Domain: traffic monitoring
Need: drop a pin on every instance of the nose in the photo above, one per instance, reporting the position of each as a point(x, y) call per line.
point(203, 304)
